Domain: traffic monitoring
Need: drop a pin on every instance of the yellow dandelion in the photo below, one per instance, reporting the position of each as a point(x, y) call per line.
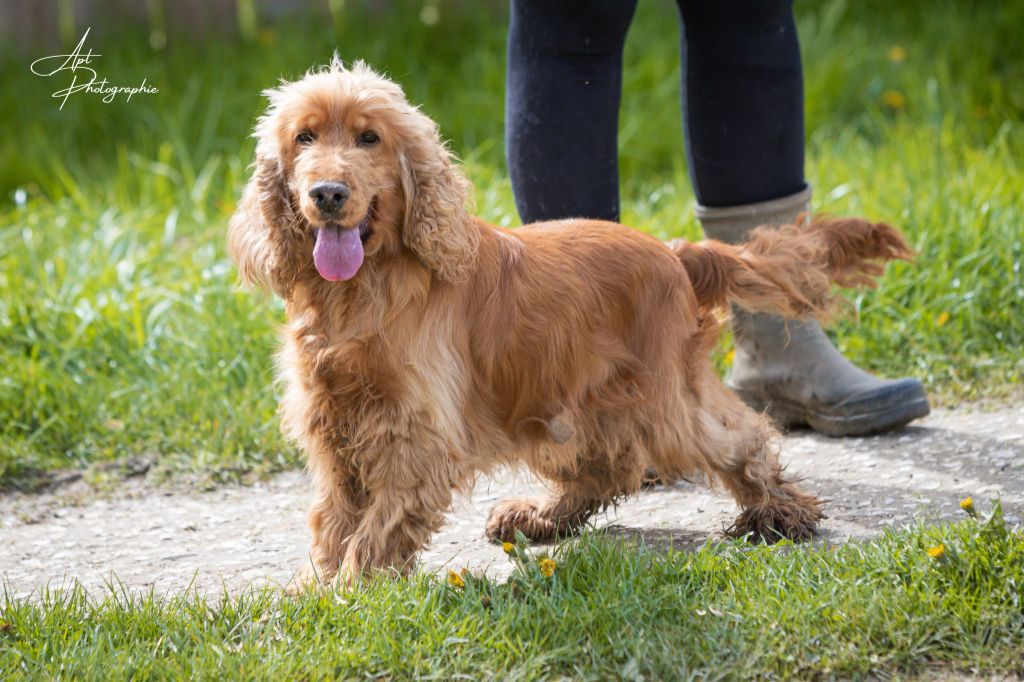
point(897, 54)
point(266, 37)
point(894, 99)
point(967, 504)
point(507, 547)
point(455, 580)
point(730, 356)
point(547, 567)
point(937, 552)
point(941, 319)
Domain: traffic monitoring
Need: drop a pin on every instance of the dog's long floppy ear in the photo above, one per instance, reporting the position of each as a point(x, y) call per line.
point(438, 228)
point(262, 233)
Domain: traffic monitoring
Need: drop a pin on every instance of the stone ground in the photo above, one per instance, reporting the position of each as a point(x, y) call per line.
point(238, 537)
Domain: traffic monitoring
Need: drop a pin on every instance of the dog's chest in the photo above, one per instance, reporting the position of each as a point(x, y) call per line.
point(376, 384)
point(349, 373)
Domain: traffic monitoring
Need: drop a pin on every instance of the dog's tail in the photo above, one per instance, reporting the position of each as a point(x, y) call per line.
point(790, 270)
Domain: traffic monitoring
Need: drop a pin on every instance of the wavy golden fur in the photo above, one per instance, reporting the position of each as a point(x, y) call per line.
point(579, 348)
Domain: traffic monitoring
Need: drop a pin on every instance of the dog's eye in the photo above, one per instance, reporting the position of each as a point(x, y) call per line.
point(305, 137)
point(368, 138)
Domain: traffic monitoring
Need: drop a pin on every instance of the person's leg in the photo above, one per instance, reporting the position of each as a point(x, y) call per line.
point(742, 100)
point(743, 109)
point(563, 87)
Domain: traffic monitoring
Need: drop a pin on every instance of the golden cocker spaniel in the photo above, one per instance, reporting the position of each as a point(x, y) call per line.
point(424, 346)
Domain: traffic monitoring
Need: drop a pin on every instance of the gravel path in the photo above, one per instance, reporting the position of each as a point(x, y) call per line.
point(236, 537)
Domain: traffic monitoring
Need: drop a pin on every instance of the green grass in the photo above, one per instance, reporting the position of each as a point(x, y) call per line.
point(727, 610)
point(121, 329)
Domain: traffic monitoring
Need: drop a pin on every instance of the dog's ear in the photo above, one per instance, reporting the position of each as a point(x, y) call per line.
point(438, 228)
point(262, 233)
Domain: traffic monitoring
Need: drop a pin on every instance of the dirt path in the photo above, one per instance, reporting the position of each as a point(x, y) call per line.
point(241, 536)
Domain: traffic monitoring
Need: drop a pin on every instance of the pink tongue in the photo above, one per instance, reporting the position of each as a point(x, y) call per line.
point(338, 253)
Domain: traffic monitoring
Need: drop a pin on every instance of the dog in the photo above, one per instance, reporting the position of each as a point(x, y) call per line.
point(424, 347)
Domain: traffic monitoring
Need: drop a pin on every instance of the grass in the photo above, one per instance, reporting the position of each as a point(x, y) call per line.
point(609, 611)
point(121, 329)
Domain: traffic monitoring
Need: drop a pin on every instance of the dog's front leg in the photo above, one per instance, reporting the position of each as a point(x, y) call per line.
point(409, 482)
point(397, 524)
point(334, 516)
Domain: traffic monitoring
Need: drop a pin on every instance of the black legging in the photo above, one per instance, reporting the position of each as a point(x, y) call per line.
point(742, 103)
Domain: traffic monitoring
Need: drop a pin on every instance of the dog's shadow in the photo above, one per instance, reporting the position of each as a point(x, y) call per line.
point(682, 540)
point(657, 539)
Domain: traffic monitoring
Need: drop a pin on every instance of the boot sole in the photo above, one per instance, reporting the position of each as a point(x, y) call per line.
point(787, 414)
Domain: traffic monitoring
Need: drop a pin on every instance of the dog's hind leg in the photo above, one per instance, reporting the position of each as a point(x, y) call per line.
point(740, 451)
point(572, 500)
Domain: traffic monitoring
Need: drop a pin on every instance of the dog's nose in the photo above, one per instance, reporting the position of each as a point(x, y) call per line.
point(329, 197)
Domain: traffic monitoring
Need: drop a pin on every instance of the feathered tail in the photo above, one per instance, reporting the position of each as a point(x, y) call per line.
point(790, 271)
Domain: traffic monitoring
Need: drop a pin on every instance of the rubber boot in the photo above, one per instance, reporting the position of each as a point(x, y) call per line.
point(789, 368)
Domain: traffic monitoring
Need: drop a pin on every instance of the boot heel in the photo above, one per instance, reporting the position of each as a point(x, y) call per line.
point(783, 415)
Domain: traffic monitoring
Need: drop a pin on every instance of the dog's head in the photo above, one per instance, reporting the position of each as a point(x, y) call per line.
point(348, 173)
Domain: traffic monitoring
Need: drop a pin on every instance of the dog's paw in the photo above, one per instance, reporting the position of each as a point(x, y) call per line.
point(523, 515)
point(303, 580)
point(776, 520)
point(307, 578)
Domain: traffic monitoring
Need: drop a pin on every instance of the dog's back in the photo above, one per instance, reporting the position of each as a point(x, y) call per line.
point(573, 310)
